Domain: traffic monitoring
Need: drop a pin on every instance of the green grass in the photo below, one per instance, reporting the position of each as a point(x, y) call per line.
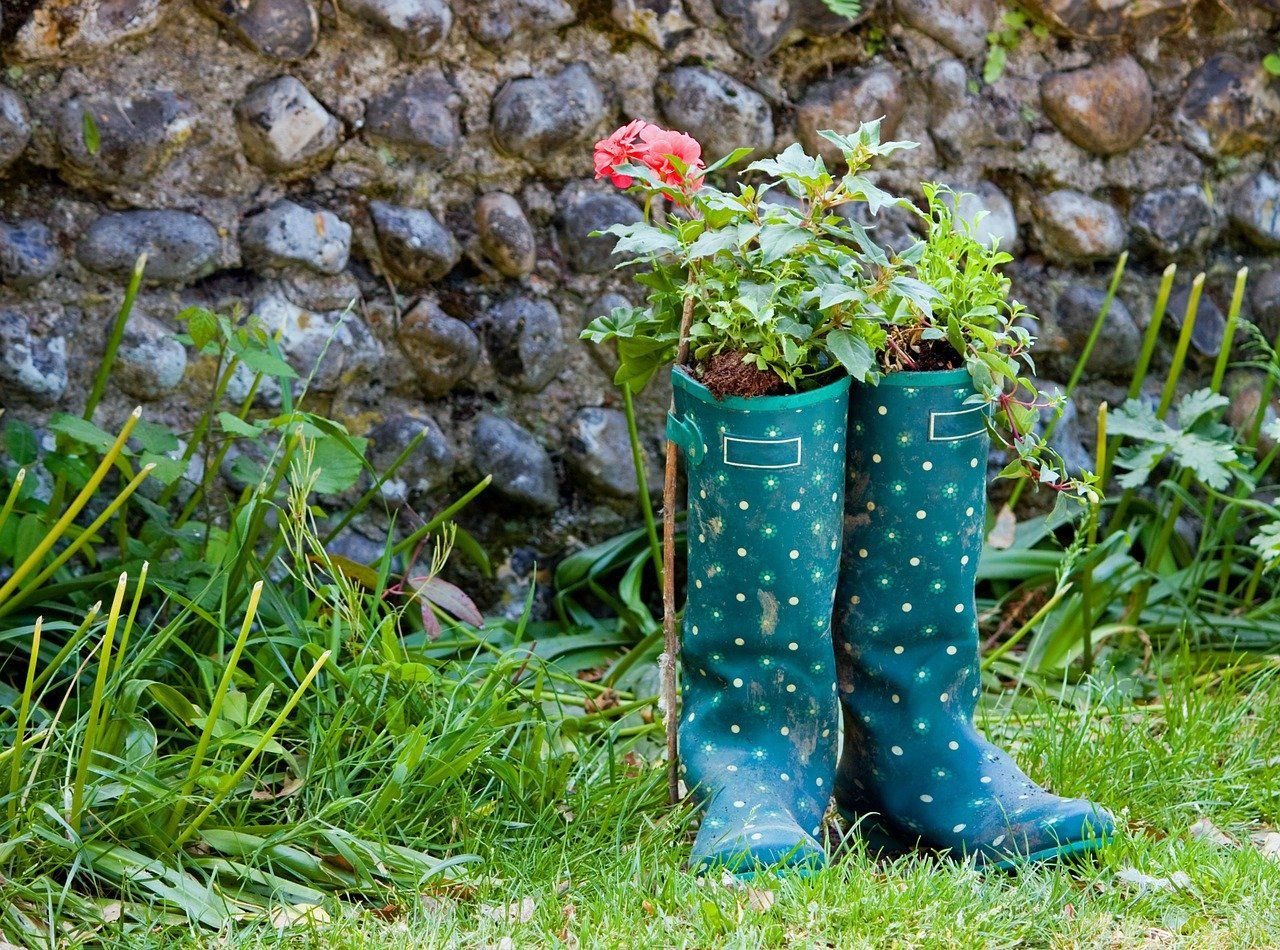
point(605, 867)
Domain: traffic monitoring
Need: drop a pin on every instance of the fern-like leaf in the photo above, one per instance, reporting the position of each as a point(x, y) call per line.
point(849, 9)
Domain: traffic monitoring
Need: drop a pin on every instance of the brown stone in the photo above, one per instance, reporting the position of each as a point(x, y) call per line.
point(1105, 108)
point(68, 29)
point(1106, 19)
point(845, 102)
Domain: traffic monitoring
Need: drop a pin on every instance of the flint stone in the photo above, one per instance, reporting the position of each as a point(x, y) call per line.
point(814, 18)
point(959, 25)
point(15, 127)
point(28, 253)
point(1230, 108)
point(442, 350)
point(415, 247)
point(525, 342)
point(1256, 211)
point(150, 362)
point(521, 469)
point(326, 347)
point(845, 101)
point(418, 114)
point(1264, 302)
point(1119, 342)
point(1174, 222)
point(1105, 108)
point(506, 236)
point(284, 30)
point(662, 23)
point(756, 27)
point(542, 119)
point(495, 23)
point(584, 209)
point(313, 290)
point(1107, 19)
point(136, 136)
point(598, 450)
point(1074, 229)
point(284, 128)
point(33, 357)
point(428, 467)
point(417, 27)
point(180, 246)
point(961, 122)
point(991, 212)
point(69, 29)
point(715, 109)
point(287, 233)
point(1211, 324)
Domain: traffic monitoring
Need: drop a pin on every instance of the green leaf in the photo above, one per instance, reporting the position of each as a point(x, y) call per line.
point(80, 430)
point(853, 352)
point(849, 9)
point(20, 442)
point(89, 131)
point(338, 466)
point(234, 425)
point(202, 325)
point(993, 68)
point(154, 437)
point(779, 240)
point(1271, 63)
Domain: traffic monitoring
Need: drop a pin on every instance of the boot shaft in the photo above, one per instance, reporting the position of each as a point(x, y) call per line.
point(764, 529)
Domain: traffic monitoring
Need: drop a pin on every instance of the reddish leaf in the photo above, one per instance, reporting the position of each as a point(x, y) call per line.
point(449, 598)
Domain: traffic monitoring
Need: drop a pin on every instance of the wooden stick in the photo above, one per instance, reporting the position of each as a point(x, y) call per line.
point(671, 643)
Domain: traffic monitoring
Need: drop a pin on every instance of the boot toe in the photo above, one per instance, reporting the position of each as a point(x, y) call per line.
point(776, 845)
point(1073, 826)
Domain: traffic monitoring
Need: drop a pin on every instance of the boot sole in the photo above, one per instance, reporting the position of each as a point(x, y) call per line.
point(881, 841)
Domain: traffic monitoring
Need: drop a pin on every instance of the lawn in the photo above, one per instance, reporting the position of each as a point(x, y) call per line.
point(1193, 775)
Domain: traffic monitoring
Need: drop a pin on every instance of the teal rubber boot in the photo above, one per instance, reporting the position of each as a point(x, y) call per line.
point(914, 771)
point(759, 723)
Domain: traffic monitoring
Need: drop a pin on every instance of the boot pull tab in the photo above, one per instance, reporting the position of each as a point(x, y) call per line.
point(685, 433)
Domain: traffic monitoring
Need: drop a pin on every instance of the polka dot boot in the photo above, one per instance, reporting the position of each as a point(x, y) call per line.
point(758, 724)
point(914, 771)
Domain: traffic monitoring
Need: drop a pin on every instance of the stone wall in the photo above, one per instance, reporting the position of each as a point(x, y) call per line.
point(429, 159)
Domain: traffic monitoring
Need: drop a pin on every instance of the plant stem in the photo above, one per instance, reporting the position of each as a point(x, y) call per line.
point(95, 706)
point(20, 728)
point(114, 338)
point(642, 481)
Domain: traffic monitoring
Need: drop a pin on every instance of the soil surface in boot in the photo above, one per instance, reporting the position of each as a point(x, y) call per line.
point(907, 351)
point(759, 718)
point(914, 769)
point(725, 374)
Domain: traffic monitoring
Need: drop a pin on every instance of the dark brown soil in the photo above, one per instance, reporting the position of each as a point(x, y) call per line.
point(907, 351)
point(726, 375)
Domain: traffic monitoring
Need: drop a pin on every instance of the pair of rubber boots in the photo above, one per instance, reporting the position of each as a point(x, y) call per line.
point(873, 506)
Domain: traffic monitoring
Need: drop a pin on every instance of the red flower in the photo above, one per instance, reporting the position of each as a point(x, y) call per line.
point(620, 149)
point(661, 145)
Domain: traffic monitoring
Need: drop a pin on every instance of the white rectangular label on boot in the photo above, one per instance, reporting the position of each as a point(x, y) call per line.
point(953, 426)
point(761, 453)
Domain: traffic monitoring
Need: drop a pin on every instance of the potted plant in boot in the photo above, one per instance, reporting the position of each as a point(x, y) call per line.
point(767, 299)
point(914, 771)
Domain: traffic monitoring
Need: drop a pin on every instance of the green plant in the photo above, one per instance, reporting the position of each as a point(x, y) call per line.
point(1015, 23)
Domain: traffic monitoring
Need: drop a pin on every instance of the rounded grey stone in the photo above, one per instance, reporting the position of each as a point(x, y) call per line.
point(1256, 211)
point(1264, 302)
point(417, 114)
point(525, 342)
point(180, 246)
point(1105, 108)
point(663, 23)
point(442, 350)
point(990, 211)
point(1211, 324)
point(716, 109)
point(150, 362)
point(1119, 341)
point(1109, 20)
point(28, 253)
point(598, 450)
point(15, 127)
point(136, 136)
point(33, 356)
point(756, 27)
point(1230, 107)
point(521, 469)
point(847, 100)
point(428, 467)
point(545, 118)
point(415, 247)
point(74, 29)
point(287, 233)
point(285, 30)
point(959, 25)
point(325, 347)
point(584, 209)
point(961, 121)
point(1174, 222)
point(497, 23)
point(417, 27)
point(284, 128)
point(1074, 228)
point(506, 236)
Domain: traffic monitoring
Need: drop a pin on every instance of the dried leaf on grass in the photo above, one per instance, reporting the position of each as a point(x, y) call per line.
point(1004, 530)
point(291, 915)
point(290, 787)
point(1268, 842)
point(1206, 830)
point(1145, 883)
point(517, 912)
